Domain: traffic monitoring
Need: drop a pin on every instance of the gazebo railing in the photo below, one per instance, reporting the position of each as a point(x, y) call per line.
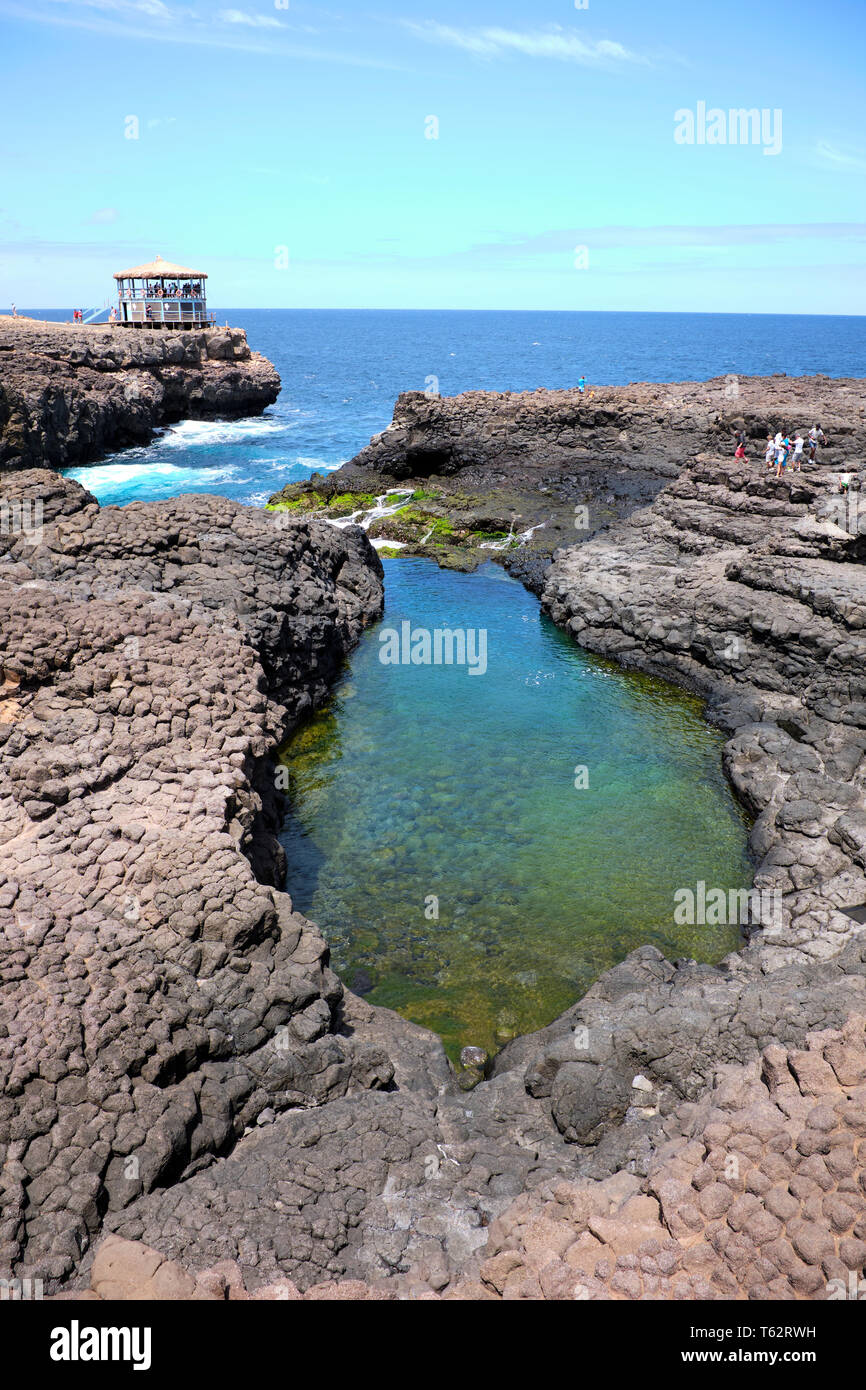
point(165, 311)
point(125, 293)
point(167, 308)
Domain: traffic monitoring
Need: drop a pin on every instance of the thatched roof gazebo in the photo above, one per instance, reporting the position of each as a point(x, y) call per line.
point(162, 294)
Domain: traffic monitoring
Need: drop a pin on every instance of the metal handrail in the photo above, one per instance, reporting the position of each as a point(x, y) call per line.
point(141, 321)
point(142, 294)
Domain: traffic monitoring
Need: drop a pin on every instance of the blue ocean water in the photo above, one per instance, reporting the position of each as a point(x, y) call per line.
point(343, 369)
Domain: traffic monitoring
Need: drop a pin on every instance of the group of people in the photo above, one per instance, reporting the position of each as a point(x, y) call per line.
point(782, 451)
point(187, 290)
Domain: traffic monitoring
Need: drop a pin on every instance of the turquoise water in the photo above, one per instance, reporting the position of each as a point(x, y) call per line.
point(423, 789)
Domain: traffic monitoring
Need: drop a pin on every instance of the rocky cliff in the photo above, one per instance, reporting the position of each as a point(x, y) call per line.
point(151, 658)
point(182, 1070)
point(532, 471)
point(643, 426)
point(68, 393)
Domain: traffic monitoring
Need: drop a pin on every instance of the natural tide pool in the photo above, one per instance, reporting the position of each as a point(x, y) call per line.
point(422, 790)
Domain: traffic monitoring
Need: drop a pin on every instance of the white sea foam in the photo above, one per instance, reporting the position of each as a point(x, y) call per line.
point(500, 545)
point(189, 434)
point(106, 476)
point(366, 518)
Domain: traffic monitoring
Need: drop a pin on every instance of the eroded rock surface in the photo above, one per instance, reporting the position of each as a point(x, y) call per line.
point(645, 426)
point(759, 1193)
point(158, 992)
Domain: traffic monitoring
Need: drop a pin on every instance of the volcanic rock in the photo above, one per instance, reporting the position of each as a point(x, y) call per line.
point(69, 393)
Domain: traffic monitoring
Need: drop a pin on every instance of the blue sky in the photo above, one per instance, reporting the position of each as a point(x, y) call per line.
point(555, 181)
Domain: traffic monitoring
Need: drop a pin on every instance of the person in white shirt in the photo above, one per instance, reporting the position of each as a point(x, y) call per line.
point(816, 437)
point(797, 460)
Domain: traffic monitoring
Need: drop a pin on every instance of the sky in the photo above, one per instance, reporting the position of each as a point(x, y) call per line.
point(510, 154)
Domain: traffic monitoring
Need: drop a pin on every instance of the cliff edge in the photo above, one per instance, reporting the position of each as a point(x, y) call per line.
point(68, 392)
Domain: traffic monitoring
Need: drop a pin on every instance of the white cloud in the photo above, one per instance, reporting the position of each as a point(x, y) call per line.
point(839, 158)
point(253, 21)
point(154, 19)
point(103, 217)
point(148, 9)
point(551, 42)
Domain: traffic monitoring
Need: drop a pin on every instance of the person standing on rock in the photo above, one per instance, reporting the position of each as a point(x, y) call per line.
point(797, 460)
point(816, 437)
point(741, 451)
point(581, 385)
point(781, 456)
point(770, 451)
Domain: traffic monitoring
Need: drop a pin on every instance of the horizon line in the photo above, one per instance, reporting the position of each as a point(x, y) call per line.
point(390, 309)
